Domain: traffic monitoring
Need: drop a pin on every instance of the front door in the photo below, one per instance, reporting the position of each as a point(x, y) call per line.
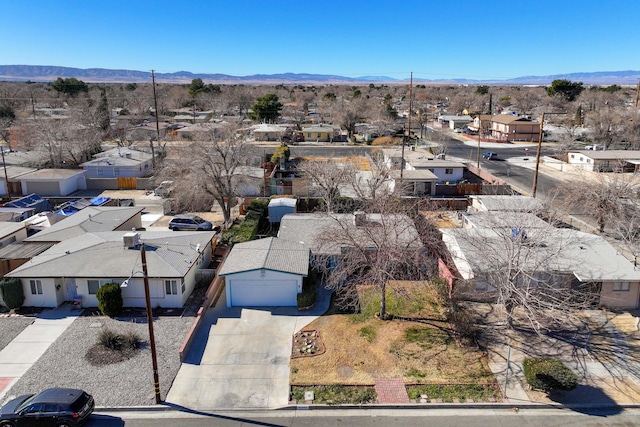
point(71, 287)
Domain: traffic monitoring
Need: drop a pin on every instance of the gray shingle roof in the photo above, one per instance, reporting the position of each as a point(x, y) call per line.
point(88, 220)
point(588, 257)
point(269, 254)
point(310, 228)
point(103, 255)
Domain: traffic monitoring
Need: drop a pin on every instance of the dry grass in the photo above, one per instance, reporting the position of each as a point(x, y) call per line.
point(421, 350)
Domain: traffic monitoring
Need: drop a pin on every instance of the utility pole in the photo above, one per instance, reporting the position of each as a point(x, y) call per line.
point(155, 105)
point(408, 127)
point(152, 338)
point(535, 176)
point(637, 93)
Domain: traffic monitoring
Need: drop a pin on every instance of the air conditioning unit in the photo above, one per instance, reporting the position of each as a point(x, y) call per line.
point(131, 240)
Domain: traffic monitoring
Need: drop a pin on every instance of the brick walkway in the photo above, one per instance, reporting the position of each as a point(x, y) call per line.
point(391, 391)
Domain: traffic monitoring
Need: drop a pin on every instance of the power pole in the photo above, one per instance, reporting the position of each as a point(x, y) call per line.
point(155, 106)
point(408, 128)
point(637, 93)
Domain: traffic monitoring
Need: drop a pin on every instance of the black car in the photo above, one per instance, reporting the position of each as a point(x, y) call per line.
point(57, 407)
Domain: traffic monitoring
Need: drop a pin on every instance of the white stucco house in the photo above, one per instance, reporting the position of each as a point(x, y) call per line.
point(505, 203)
point(605, 161)
point(562, 258)
point(74, 269)
point(119, 162)
point(265, 272)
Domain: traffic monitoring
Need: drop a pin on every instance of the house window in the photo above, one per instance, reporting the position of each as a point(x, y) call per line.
point(183, 287)
point(573, 156)
point(171, 287)
point(36, 287)
point(94, 284)
point(99, 172)
point(448, 171)
point(116, 171)
point(621, 286)
point(588, 160)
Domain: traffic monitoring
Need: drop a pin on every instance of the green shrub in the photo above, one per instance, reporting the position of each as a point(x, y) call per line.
point(309, 284)
point(110, 299)
point(548, 374)
point(12, 293)
point(246, 231)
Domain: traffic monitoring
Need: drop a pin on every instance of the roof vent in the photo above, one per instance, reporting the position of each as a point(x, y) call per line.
point(131, 240)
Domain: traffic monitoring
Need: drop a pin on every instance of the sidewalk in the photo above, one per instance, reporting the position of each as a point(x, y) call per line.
point(25, 349)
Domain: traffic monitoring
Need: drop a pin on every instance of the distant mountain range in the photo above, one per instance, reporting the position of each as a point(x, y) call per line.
point(45, 73)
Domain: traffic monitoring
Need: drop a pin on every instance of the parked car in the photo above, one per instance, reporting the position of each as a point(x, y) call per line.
point(56, 407)
point(490, 155)
point(189, 222)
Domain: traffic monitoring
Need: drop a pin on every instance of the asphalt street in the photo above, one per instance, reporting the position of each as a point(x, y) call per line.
point(507, 417)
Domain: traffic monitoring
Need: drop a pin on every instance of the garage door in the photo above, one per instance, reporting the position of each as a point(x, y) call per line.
point(263, 293)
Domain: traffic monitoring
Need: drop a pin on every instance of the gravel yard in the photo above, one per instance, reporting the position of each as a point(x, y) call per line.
point(127, 383)
point(11, 327)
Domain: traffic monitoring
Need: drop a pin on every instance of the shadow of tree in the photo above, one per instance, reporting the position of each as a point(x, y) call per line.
point(587, 400)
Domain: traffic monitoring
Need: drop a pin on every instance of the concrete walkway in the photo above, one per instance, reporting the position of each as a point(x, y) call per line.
point(25, 349)
point(240, 357)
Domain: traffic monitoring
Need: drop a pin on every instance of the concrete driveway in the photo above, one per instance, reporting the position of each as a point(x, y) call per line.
point(240, 357)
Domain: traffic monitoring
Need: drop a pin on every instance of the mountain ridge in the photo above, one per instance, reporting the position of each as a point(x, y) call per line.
point(47, 73)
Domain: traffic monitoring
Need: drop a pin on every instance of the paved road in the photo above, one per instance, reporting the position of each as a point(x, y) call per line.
point(375, 417)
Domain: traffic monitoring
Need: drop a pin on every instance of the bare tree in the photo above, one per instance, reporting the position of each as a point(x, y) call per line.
point(603, 196)
point(375, 183)
point(526, 268)
point(327, 177)
point(208, 169)
point(371, 249)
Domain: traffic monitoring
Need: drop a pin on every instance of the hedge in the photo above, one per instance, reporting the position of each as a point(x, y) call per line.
point(548, 374)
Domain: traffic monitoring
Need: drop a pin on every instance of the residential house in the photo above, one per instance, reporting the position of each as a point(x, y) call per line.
point(53, 182)
point(265, 272)
point(606, 161)
point(318, 133)
point(454, 122)
point(315, 231)
point(481, 124)
point(119, 162)
point(199, 132)
point(502, 219)
point(268, 132)
point(248, 181)
point(556, 257)
point(507, 203)
point(91, 219)
point(422, 170)
point(74, 269)
point(507, 127)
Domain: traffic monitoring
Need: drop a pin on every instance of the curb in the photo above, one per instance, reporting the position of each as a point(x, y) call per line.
point(436, 406)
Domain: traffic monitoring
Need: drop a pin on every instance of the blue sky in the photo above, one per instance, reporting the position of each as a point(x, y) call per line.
point(434, 39)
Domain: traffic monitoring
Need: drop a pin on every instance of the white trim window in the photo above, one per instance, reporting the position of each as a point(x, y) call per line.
point(36, 287)
point(621, 286)
point(171, 287)
point(94, 284)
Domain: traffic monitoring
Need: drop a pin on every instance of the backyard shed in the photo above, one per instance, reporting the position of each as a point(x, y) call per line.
point(281, 207)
